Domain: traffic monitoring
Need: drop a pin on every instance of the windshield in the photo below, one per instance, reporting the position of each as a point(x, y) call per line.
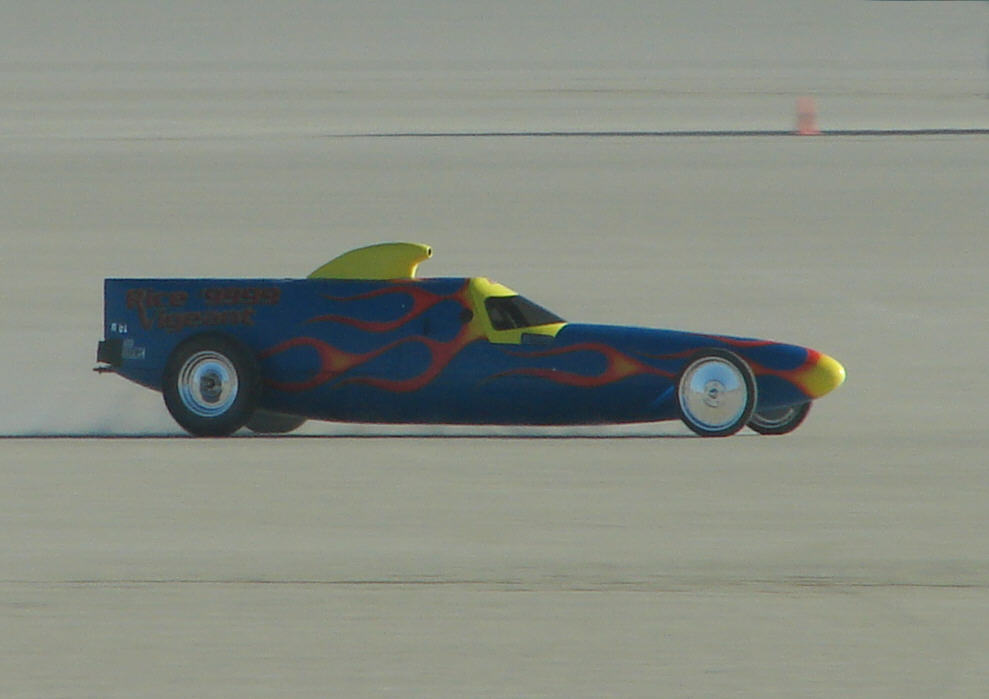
point(508, 312)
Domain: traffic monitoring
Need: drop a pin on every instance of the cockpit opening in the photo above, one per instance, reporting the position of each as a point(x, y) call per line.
point(511, 312)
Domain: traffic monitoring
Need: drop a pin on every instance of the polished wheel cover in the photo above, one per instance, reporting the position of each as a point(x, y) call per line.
point(207, 384)
point(775, 419)
point(779, 420)
point(713, 393)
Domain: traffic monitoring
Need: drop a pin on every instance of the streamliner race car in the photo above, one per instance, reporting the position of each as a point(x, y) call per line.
point(362, 339)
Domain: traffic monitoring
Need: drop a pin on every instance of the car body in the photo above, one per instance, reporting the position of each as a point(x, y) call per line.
point(363, 339)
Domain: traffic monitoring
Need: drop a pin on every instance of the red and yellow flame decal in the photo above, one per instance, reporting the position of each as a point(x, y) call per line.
point(335, 362)
point(620, 366)
point(422, 301)
point(818, 375)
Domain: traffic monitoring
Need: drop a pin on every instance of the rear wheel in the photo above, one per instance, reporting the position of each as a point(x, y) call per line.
point(716, 393)
point(779, 420)
point(267, 422)
point(211, 384)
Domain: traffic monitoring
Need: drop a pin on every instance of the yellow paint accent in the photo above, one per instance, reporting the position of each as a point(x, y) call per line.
point(623, 367)
point(825, 376)
point(481, 288)
point(381, 261)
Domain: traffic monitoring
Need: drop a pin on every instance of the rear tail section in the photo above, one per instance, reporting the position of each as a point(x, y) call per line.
point(127, 326)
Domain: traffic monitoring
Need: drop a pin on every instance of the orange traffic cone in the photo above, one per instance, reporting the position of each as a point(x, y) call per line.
point(806, 117)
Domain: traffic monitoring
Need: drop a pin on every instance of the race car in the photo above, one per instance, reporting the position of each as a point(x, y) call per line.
point(363, 339)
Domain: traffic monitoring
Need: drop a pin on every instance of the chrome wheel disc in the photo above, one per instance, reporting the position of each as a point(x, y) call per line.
point(774, 419)
point(207, 384)
point(713, 394)
point(779, 420)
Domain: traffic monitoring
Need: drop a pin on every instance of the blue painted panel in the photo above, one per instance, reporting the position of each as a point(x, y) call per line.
point(408, 351)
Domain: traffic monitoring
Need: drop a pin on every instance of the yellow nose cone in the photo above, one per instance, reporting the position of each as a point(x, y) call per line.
point(822, 378)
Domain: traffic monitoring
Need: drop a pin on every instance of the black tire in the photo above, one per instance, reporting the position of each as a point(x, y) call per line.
point(779, 420)
point(211, 384)
point(267, 422)
point(716, 393)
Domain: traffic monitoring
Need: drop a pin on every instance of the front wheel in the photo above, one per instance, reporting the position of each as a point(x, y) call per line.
point(716, 393)
point(211, 385)
point(779, 420)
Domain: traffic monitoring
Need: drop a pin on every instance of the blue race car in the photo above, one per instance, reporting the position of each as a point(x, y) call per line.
point(362, 339)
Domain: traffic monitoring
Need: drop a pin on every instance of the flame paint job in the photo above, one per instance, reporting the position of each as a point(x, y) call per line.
point(425, 351)
point(618, 366)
